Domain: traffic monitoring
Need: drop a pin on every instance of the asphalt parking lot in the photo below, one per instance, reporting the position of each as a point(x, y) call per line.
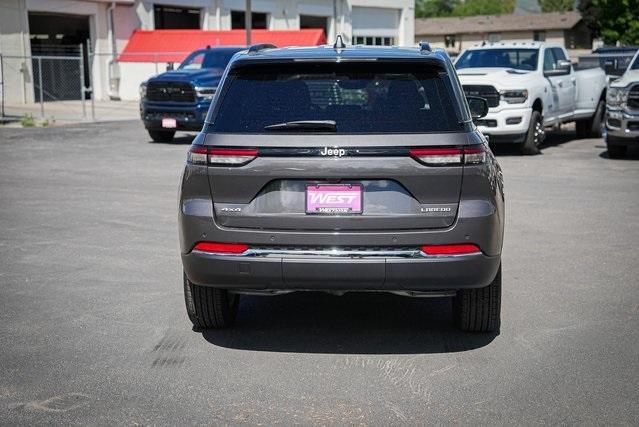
point(94, 331)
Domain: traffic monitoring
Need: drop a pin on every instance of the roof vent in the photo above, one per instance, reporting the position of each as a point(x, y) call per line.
point(339, 43)
point(424, 47)
point(259, 47)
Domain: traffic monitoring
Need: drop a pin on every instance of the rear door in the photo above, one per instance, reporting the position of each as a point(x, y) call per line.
point(336, 146)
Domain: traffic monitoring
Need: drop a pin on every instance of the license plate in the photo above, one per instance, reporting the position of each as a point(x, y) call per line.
point(334, 199)
point(169, 123)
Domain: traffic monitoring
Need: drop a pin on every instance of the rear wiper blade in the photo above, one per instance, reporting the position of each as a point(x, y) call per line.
point(304, 125)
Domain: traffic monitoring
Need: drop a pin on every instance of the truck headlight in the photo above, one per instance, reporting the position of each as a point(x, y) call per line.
point(143, 91)
point(518, 96)
point(617, 96)
point(205, 92)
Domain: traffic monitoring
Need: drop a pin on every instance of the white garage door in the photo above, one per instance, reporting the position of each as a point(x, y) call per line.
point(375, 25)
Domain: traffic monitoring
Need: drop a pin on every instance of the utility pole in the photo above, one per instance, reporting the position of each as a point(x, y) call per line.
point(335, 32)
point(248, 21)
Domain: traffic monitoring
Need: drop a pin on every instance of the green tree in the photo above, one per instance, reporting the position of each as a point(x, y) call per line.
point(484, 7)
point(618, 21)
point(591, 14)
point(556, 5)
point(434, 8)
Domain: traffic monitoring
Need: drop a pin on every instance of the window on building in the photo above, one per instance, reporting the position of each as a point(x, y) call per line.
point(374, 41)
point(450, 40)
point(539, 36)
point(238, 20)
point(494, 37)
point(308, 21)
point(175, 18)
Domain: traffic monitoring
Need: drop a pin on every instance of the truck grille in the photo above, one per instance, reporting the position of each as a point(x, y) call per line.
point(170, 91)
point(633, 98)
point(489, 93)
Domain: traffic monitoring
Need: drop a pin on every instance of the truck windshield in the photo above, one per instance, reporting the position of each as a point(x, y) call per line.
point(212, 59)
point(635, 63)
point(336, 97)
point(520, 59)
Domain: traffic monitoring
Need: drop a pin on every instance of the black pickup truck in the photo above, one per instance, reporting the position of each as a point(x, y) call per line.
point(179, 99)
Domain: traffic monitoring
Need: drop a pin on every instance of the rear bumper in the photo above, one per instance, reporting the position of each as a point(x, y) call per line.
point(352, 274)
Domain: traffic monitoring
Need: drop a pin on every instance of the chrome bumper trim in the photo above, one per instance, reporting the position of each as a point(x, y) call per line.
point(410, 294)
point(336, 252)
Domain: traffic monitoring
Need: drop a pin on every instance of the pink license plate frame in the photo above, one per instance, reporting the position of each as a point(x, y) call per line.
point(334, 199)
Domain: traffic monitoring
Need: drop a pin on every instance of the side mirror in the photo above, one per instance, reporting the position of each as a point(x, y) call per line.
point(563, 67)
point(170, 66)
point(478, 107)
point(564, 64)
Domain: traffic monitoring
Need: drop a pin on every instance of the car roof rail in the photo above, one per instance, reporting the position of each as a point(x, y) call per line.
point(424, 47)
point(253, 49)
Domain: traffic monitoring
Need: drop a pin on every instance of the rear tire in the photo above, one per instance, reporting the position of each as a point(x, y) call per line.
point(479, 310)
point(162, 135)
point(535, 135)
point(592, 127)
point(210, 308)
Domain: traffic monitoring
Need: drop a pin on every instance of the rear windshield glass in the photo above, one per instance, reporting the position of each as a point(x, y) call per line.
point(520, 59)
point(357, 97)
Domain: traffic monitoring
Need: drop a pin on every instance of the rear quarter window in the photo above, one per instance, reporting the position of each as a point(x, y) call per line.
point(359, 97)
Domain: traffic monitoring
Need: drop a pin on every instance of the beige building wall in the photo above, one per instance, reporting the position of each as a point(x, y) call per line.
point(464, 41)
point(14, 41)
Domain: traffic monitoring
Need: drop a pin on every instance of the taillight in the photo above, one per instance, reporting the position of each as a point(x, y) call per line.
point(221, 248)
point(438, 156)
point(450, 156)
point(456, 249)
point(475, 154)
point(201, 155)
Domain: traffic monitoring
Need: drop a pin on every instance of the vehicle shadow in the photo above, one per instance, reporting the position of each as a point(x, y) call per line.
point(553, 139)
point(356, 323)
point(632, 153)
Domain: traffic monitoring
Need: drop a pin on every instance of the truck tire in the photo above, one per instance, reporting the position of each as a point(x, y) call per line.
point(210, 308)
point(162, 135)
point(479, 310)
point(535, 135)
point(592, 127)
point(616, 151)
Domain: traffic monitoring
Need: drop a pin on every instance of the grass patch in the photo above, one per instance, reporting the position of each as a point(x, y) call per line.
point(27, 121)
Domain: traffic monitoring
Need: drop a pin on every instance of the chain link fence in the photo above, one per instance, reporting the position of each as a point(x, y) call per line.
point(48, 87)
point(58, 84)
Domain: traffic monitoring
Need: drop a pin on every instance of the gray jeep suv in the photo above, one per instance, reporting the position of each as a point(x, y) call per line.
point(342, 169)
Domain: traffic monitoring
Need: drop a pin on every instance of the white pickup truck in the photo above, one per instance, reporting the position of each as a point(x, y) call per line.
point(622, 107)
point(530, 86)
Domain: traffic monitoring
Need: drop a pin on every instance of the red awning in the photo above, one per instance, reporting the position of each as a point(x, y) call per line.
point(175, 45)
